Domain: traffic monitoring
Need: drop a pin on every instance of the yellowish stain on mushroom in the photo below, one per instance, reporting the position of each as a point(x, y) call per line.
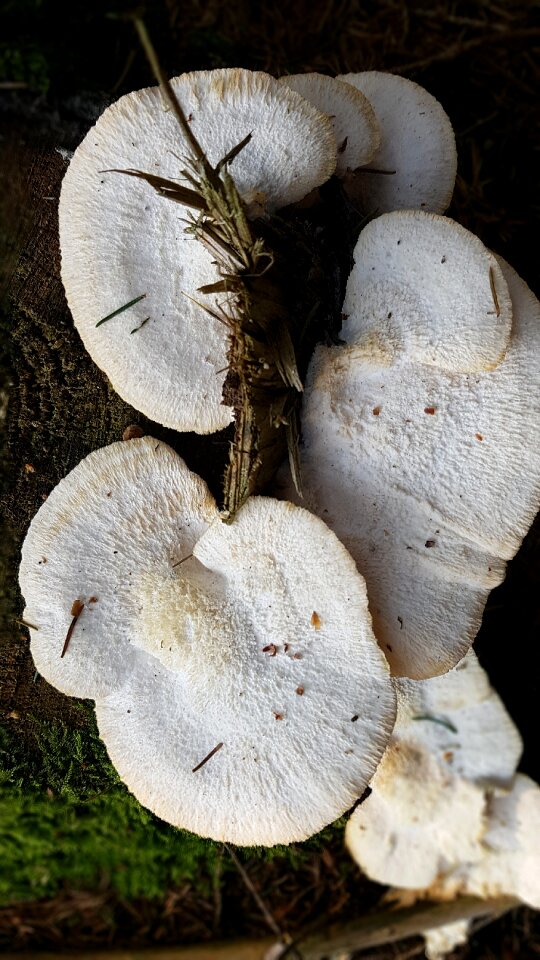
point(315, 620)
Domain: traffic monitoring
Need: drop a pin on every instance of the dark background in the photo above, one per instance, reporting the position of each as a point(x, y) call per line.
point(61, 64)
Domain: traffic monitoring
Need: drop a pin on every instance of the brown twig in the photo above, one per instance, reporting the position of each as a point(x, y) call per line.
point(77, 608)
point(207, 758)
point(263, 907)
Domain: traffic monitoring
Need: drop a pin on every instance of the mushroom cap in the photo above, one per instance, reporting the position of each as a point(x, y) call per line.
point(419, 820)
point(426, 812)
point(196, 634)
point(422, 288)
point(355, 127)
point(442, 940)
point(460, 719)
point(508, 864)
point(417, 142)
point(121, 240)
point(430, 477)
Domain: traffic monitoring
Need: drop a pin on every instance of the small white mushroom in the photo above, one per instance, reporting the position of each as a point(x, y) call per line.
point(355, 127)
point(427, 812)
point(417, 158)
point(419, 451)
point(239, 689)
point(121, 241)
point(442, 940)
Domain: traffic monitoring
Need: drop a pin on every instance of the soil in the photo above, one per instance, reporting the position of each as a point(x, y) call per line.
point(481, 60)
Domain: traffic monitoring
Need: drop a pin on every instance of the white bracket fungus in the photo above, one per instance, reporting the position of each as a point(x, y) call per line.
point(416, 163)
point(412, 834)
point(122, 243)
point(452, 746)
point(419, 432)
point(354, 123)
point(239, 690)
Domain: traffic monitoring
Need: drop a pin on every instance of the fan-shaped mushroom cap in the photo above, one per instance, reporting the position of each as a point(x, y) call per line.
point(428, 475)
point(121, 240)
point(419, 820)
point(426, 813)
point(407, 831)
point(418, 147)
point(423, 288)
point(356, 129)
point(509, 861)
point(196, 635)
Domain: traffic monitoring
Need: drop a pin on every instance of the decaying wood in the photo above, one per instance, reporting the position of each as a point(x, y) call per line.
point(390, 926)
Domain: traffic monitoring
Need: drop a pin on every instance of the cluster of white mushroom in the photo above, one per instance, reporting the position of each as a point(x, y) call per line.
point(240, 687)
point(448, 815)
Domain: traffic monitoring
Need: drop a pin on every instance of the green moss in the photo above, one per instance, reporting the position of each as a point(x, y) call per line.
point(67, 821)
point(49, 842)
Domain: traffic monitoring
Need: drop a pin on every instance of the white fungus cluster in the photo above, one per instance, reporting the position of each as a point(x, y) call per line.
point(240, 687)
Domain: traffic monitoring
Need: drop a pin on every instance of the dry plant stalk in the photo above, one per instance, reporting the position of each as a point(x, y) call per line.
point(280, 281)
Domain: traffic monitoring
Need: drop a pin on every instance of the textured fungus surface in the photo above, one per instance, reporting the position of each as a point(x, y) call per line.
point(195, 637)
point(430, 476)
point(415, 166)
point(122, 242)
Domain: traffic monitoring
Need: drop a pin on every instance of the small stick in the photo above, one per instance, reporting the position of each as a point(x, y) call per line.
point(207, 758)
point(494, 292)
point(384, 173)
point(76, 610)
point(146, 319)
point(183, 560)
point(172, 99)
point(31, 626)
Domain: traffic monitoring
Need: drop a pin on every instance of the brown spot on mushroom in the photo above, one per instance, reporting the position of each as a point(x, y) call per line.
point(376, 411)
point(355, 718)
point(430, 543)
point(448, 756)
point(315, 620)
point(270, 649)
point(429, 410)
point(109, 493)
point(133, 432)
point(286, 646)
point(297, 656)
point(278, 716)
point(479, 436)
point(300, 691)
point(400, 621)
point(43, 560)
point(93, 600)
